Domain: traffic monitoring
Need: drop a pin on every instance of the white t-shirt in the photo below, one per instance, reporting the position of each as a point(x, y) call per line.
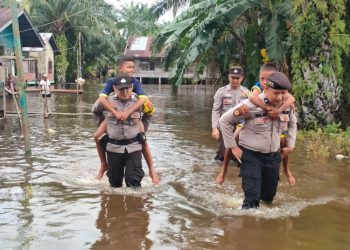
point(45, 87)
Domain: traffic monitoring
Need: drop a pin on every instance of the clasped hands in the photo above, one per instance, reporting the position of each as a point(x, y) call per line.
point(272, 112)
point(121, 115)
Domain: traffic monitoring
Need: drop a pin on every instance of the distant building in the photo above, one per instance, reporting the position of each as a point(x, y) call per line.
point(149, 68)
point(45, 56)
point(37, 49)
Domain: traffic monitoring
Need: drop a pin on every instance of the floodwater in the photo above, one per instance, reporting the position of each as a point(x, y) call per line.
point(51, 199)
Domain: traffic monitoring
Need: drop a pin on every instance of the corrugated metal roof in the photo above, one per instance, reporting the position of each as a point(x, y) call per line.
point(48, 37)
point(140, 47)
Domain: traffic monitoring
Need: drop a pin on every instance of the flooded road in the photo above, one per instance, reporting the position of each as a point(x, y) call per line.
point(51, 199)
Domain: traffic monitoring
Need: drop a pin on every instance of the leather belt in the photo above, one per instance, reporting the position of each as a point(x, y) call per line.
point(122, 142)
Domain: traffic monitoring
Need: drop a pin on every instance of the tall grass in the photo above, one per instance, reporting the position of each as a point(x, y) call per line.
point(327, 141)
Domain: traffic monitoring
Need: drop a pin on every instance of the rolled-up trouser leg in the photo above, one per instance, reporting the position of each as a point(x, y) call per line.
point(133, 169)
point(250, 172)
point(115, 170)
point(270, 176)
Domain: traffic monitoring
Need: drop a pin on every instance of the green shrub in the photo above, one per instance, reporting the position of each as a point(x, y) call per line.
point(332, 128)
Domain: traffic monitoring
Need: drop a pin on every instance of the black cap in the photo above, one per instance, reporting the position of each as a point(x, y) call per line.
point(122, 81)
point(278, 80)
point(236, 71)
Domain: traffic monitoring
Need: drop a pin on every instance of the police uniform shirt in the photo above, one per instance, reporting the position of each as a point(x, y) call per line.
point(226, 98)
point(122, 130)
point(259, 133)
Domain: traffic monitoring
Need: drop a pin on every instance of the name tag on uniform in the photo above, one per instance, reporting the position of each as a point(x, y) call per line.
point(243, 95)
point(284, 117)
point(227, 100)
point(261, 120)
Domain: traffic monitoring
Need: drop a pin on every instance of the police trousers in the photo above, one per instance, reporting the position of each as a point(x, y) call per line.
point(260, 176)
point(125, 164)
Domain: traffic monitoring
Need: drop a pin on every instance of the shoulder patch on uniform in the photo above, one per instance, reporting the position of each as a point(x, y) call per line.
point(241, 110)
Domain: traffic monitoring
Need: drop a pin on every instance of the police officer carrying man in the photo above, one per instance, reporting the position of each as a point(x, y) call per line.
point(259, 141)
point(225, 98)
point(125, 138)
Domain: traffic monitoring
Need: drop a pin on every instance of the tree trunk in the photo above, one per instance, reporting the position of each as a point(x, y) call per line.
point(61, 62)
point(322, 107)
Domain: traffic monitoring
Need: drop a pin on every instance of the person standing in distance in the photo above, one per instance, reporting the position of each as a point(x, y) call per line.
point(45, 93)
point(225, 98)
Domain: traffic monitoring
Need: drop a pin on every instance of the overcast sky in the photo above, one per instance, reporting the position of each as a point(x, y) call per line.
point(116, 3)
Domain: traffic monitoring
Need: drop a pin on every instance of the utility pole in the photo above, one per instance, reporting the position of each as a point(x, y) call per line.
point(79, 74)
point(79, 56)
point(20, 79)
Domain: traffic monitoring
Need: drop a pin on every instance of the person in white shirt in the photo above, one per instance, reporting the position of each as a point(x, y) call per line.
point(45, 86)
point(45, 92)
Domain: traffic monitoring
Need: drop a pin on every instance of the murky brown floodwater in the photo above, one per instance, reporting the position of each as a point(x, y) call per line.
point(51, 200)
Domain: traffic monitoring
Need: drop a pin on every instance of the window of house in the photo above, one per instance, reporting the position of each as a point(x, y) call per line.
point(50, 66)
point(151, 66)
point(13, 67)
point(31, 66)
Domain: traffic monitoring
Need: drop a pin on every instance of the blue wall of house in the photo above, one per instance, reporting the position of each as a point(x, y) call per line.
point(7, 40)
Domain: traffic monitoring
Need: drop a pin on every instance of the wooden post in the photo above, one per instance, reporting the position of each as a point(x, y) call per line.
point(4, 100)
point(20, 79)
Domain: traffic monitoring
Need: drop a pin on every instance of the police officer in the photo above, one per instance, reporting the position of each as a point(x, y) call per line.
point(124, 141)
point(126, 65)
point(225, 98)
point(259, 141)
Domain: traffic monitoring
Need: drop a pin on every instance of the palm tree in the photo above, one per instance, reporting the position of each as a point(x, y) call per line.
point(319, 49)
point(161, 6)
point(66, 18)
point(137, 20)
point(309, 37)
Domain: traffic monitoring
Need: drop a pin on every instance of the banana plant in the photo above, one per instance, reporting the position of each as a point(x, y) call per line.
point(212, 30)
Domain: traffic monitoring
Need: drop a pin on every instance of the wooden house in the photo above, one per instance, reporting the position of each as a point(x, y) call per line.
point(30, 38)
point(44, 56)
point(149, 68)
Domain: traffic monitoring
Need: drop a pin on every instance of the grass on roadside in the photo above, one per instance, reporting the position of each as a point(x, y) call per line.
point(327, 141)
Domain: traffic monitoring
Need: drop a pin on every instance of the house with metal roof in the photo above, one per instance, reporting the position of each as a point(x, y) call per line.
point(44, 56)
point(149, 67)
point(34, 64)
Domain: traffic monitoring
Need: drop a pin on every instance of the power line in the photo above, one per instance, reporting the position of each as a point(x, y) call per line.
point(43, 25)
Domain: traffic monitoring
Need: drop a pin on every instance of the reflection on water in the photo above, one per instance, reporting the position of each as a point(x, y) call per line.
point(52, 198)
point(123, 221)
